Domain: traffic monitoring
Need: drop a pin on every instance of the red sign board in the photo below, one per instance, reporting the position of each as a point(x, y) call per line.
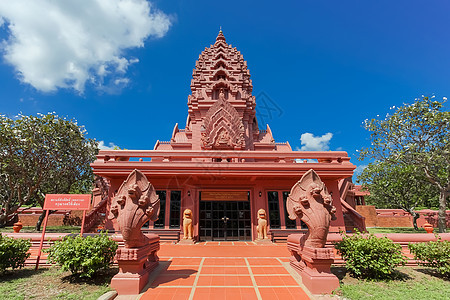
point(67, 202)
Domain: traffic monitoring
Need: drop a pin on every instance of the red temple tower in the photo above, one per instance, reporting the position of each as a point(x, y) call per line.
point(221, 165)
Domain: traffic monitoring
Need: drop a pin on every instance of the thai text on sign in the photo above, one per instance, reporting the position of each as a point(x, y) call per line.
point(67, 201)
point(224, 196)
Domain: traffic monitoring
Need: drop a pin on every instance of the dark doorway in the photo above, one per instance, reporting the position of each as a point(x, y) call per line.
point(225, 221)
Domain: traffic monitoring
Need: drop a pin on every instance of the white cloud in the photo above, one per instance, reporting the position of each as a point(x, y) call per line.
point(315, 143)
point(359, 169)
point(111, 146)
point(64, 44)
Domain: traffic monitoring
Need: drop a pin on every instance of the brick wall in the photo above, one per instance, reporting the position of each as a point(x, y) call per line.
point(397, 217)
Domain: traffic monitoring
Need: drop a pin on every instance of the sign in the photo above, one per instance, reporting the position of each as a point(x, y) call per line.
point(67, 202)
point(64, 202)
point(224, 196)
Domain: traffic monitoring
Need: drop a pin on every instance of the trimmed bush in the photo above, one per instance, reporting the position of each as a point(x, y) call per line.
point(367, 256)
point(433, 254)
point(13, 252)
point(84, 256)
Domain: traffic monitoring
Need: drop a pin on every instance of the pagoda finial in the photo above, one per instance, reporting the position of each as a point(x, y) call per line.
point(220, 36)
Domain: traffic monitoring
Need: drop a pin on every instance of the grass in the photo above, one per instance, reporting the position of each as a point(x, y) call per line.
point(397, 230)
point(51, 283)
point(410, 283)
point(31, 229)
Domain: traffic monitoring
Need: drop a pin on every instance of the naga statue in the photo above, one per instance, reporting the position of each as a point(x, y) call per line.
point(135, 204)
point(310, 201)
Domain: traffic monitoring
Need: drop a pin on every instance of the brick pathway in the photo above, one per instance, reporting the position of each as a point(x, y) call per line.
point(225, 270)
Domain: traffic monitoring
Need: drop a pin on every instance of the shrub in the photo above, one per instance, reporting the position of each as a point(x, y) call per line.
point(83, 255)
point(433, 254)
point(13, 252)
point(367, 256)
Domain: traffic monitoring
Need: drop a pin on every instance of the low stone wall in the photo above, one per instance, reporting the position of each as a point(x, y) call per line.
point(30, 216)
point(397, 217)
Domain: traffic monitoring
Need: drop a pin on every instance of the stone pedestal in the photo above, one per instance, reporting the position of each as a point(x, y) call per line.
point(135, 265)
point(313, 265)
point(186, 242)
point(263, 241)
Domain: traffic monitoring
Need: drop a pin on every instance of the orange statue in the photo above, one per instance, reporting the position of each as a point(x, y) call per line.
point(310, 201)
point(188, 227)
point(135, 204)
point(262, 224)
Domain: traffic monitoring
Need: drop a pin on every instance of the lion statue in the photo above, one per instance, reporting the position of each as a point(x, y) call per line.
point(188, 227)
point(262, 224)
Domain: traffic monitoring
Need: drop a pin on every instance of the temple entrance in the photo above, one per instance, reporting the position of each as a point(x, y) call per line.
point(225, 220)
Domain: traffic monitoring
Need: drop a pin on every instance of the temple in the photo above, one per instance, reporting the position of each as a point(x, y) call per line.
point(222, 166)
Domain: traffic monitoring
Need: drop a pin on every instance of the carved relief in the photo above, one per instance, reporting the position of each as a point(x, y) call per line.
point(135, 204)
point(262, 224)
point(310, 201)
point(188, 227)
point(223, 128)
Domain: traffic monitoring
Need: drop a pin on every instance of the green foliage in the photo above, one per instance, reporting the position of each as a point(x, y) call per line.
point(395, 230)
point(414, 138)
point(83, 255)
point(434, 254)
point(40, 155)
point(367, 256)
point(13, 252)
point(398, 186)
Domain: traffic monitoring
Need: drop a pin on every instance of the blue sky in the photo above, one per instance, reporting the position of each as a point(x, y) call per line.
point(123, 68)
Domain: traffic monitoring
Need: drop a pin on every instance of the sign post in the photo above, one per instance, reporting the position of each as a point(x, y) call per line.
point(66, 202)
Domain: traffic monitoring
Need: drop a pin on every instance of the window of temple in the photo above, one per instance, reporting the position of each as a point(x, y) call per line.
point(274, 209)
point(290, 224)
point(175, 204)
point(160, 223)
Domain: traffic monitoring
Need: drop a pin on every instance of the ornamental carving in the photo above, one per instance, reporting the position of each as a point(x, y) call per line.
point(223, 127)
point(135, 204)
point(310, 201)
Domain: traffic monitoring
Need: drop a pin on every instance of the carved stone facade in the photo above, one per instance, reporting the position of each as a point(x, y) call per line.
point(220, 165)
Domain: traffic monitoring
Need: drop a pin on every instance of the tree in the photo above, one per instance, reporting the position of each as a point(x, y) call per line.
point(397, 186)
point(417, 134)
point(39, 155)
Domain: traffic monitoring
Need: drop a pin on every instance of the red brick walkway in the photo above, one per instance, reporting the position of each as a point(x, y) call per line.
point(225, 270)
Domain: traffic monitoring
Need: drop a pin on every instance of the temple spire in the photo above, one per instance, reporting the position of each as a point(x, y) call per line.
point(220, 36)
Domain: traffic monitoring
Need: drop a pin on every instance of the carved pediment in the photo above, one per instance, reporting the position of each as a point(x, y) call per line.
point(223, 127)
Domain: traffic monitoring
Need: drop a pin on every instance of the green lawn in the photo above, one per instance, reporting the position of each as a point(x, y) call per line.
point(414, 283)
point(30, 229)
point(397, 230)
point(51, 283)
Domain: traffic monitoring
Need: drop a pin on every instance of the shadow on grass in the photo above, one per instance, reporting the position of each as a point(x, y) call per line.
point(397, 275)
point(100, 278)
point(11, 275)
point(433, 273)
point(340, 272)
